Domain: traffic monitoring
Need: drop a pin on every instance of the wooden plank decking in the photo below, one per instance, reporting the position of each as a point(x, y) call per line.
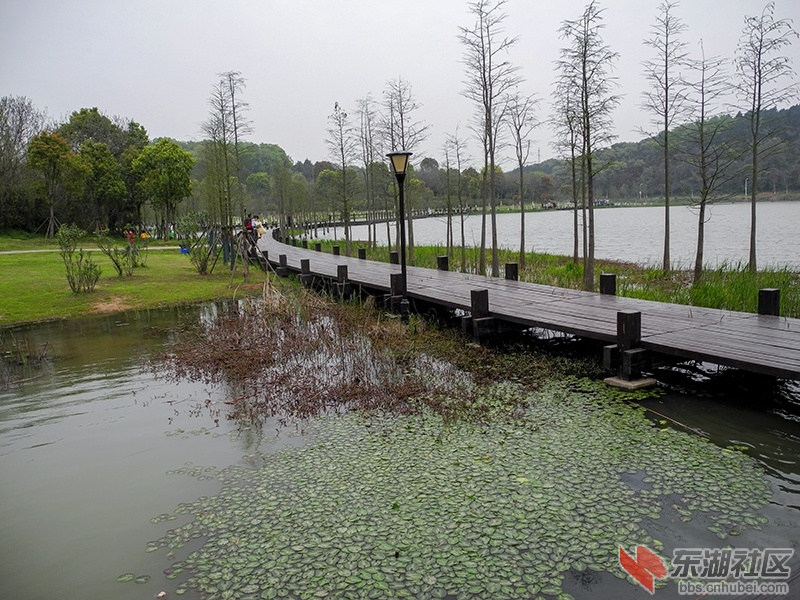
point(763, 344)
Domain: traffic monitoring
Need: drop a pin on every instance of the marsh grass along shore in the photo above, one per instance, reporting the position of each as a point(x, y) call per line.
point(33, 286)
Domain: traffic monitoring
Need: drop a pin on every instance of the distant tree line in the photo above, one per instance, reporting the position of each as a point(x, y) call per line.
point(40, 171)
point(96, 172)
point(103, 172)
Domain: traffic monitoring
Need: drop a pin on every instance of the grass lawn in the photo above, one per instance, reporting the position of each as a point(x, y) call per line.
point(33, 286)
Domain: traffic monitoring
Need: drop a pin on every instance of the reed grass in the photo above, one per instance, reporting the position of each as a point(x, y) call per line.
point(731, 286)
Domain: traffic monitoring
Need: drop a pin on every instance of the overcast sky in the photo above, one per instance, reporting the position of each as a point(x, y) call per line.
point(155, 61)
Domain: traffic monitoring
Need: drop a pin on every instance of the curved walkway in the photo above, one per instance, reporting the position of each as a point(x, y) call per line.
point(760, 343)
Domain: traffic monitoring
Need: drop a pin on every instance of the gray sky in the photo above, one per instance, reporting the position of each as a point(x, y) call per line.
point(155, 61)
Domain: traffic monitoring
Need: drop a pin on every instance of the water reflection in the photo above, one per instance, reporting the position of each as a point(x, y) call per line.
point(85, 444)
point(755, 414)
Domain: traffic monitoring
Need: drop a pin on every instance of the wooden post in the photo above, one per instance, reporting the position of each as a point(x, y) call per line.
point(626, 358)
point(608, 284)
point(480, 303)
point(336, 250)
point(318, 246)
point(392, 301)
point(305, 243)
point(362, 253)
point(512, 271)
point(306, 278)
point(769, 301)
point(396, 284)
point(482, 323)
point(442, 263)
point(343, 286)
point(294, 241)
point(394, 257)
point(283, 266)
point(632, 358)
point(629, 329)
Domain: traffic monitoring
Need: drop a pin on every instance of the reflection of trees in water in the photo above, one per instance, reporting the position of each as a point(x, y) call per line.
point(296, 356)
point(21, 359)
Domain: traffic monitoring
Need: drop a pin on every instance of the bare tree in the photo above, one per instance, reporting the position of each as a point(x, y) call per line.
point(666, 98)
point(522, 122)
point(240, 127)
point(587, 62)
point(703, 143)
point(225, 127)
point(765, 71)
point(489, 77)
point(401, 132)
point(343, 144)
point(458, 148)
point(367, 135)
point(214, 152)
point(448, 186)
point(567, 128)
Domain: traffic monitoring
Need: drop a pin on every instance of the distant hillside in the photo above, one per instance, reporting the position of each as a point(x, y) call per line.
point(638, 166)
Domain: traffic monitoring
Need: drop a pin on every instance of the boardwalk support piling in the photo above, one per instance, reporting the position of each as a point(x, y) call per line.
point(480, 323)
point(627, 357)
point(306, 278)
point(629, 329)
point(283, 266)
point(769, 301)
point(305, 243)
point(394, 257)
point(343, 287)
point(362, 253)
point(336, 250)
point(392, 300)
point(608, 284)
point(443, 263)
point(512, 271)
point(764, 344)
point(318, 246)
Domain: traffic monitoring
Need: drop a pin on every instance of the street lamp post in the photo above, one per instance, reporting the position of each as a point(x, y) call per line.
point(399, 162)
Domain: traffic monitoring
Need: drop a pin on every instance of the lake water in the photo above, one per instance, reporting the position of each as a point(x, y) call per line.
point(88, 445)
point(636, 234)
point(84, 451)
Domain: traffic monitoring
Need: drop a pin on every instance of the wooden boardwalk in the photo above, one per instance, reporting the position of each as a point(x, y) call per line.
point(763, 344)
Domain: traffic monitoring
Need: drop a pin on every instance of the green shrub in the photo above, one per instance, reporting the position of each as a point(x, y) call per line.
point(82, 272)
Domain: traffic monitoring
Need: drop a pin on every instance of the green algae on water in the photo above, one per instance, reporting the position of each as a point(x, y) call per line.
point(418, 507)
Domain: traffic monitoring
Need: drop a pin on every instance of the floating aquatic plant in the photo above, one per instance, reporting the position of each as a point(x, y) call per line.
point(425, 478)
point(416, 506)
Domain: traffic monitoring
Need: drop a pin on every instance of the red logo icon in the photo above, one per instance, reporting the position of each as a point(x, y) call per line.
point(645, 568)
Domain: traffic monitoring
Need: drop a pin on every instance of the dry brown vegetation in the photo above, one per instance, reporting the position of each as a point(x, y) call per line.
point(294, 354)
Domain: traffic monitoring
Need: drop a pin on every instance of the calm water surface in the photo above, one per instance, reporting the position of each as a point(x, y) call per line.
point(85, 447)
point(84, 451)
point(636, 234)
